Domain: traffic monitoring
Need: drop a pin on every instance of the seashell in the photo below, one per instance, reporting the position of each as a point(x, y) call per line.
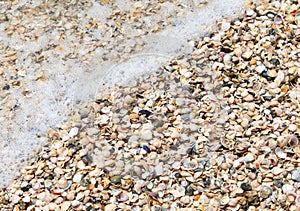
point(123, 197)
point(126, 183)
point(224, 200)
point(227, 143)
point(273, 161)
point(292, 141)
point(265, 191)
point(63, 183)
point(291, 197)
point(278, 20)
point(241, 146)
point(280, 153)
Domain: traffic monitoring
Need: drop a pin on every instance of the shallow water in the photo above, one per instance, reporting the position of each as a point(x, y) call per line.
point(70, 81)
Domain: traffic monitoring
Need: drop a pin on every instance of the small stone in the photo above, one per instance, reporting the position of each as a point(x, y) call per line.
point(75, 203)
point(159, 169)
point(73, 132)
point(292, 127)
point(65, 205)
point(247, 55)
point(295, 175)
point(116, 179)
point(110, 207)
point(180, 101)
point(261, 68)
point(146, 135)
point(62, 183)
point(249, 158)
point(286, 188)
point(45, 196)
point(249, 98)
point(225, 26)
point(246, 186)
point(92, 131)
point(15, 199)
point(71, 195)
point(277, 170)
point(185, 199)
point(250, 12)
point(77, 177)
point(26, 199)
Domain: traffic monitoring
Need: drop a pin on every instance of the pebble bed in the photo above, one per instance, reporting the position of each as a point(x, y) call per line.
point(217, 129)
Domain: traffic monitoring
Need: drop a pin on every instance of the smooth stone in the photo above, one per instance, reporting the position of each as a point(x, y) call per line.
point(159, 170)
point(295, 175)
point(185, 199)
point(146, 135)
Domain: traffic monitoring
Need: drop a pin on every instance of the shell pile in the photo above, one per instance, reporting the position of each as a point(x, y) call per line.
point(217, 129)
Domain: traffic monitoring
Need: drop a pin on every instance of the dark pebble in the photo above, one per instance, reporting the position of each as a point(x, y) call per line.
point(87, 159)
point(16, 107)
point(246, 187)
point(267, 98)
point(24, 189)
point(177, 80)
point(105, 171)
point(278, 183)
point(139, 96)
point(112, 150)
point(206, 181)
point(145, 112)
point(116, 179)
point(272, 32)
point(169, 68)
point(84, 182)
point(189, 190)
point(49, 177)
point(178, 175)
point(189, 151)
point(146, 149)
point(6, 87)
point(251, 169)
point(265, 74)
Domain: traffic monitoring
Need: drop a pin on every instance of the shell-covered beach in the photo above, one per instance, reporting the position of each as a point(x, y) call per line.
point(214, 128)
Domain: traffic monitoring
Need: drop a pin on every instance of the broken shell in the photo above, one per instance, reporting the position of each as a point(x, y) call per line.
point(280, 153)
point(126, 183)
point(228, 144)
point(241, 146)
point(224, 200)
